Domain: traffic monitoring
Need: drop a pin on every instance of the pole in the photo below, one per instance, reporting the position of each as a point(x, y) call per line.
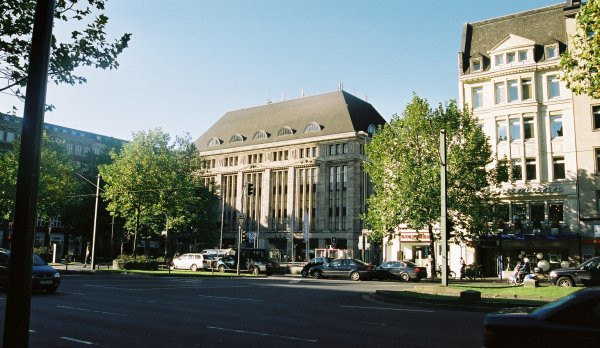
point(18, 294)
point(444, 202)
point(239, 245)
point(222, 218)
point(92, 264)
point(112, 237)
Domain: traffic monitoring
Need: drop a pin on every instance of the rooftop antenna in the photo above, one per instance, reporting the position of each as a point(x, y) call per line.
point(302, 93)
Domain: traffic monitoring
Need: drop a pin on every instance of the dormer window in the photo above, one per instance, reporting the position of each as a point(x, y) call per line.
point(236, 138)
point(261, 134)
point(214, 142)
point(285, 131)
point(551, 51)
point(312, 127)
point(371, 129)
point(476, 63)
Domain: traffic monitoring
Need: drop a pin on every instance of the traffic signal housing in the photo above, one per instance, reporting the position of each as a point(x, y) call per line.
point(250, 189)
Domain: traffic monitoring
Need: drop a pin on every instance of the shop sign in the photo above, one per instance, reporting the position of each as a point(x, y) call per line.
point(414, 237)
point(533, 189)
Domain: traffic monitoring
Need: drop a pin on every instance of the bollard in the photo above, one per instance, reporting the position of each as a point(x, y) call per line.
point(470, 295)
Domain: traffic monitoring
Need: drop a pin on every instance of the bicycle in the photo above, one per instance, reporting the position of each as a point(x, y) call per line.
point(473, 272)
point(451, 273)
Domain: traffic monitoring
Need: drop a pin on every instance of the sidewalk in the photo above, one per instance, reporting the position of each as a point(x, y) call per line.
point(75, 267)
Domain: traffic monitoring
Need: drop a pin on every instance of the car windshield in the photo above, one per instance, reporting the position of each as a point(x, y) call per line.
point(37, 260)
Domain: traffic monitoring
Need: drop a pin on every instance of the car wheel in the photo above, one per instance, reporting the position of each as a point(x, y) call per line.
point(404, 277)
point(565, 282)
point(304, 273)
point(254, 270)
point(355, 276)
point(318, 275)
point(222, 269)
point(193, 268)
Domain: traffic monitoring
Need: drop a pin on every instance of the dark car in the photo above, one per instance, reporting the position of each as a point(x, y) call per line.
point(344, 268)
point(572, 321)
point(317, 261)
point(254, 261)
point(43, 276)
point(588, 273)
point(403, 270)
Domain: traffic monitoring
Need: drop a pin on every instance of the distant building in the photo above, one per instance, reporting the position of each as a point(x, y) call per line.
point(85, 147)
point(509, 76)
point(304, 159)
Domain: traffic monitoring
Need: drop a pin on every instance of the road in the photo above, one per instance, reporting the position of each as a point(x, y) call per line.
point(143, 311)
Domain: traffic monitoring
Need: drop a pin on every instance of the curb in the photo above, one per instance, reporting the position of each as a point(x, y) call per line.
point(454, 304)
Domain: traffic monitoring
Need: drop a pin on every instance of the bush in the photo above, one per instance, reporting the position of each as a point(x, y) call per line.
point(44, 252)
point(138, 262)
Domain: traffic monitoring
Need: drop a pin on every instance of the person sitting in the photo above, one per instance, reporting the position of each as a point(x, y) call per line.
point(525, 269)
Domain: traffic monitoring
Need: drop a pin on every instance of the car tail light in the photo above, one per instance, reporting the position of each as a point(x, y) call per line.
point(417, 270)
point(369, 267)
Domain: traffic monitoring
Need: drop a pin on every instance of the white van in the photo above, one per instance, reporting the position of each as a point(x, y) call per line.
point(192, 261)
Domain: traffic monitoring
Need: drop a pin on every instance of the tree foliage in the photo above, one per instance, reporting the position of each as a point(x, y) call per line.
point(581, 62)
point(404, 167)
point(152, 181)
point(87, 45)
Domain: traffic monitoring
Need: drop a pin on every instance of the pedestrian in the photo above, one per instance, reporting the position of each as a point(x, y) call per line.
point(463, 268)
point(87, 257)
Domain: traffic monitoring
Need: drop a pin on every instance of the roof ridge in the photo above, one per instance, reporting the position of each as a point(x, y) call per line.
point(517, 14)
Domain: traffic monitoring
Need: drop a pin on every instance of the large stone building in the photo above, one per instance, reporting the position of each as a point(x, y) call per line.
point(509, 76)
point(304, 159)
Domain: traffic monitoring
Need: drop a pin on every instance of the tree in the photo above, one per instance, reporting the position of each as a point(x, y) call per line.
point(86, 46)
point(581, 63)
point(151, 181)
point(404, 166)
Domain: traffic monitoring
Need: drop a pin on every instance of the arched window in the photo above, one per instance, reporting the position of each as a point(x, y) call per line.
point(285, 131)
point(312, 127)
point(214, 142)
point(261, 134)
point(236, 138)
point(371, 130)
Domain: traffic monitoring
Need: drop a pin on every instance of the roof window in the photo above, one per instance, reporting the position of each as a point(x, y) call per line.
point(312, 127)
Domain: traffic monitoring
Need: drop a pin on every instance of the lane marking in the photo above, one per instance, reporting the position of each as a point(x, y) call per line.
point(390, 309)
point(232, 298)
point(295, 281)
point(71, 293)
point(367, 322)
point(146, 301)
point(32, 331)
point(262, 334)
point(167, 287)
point(91, 311)
point(77, 341)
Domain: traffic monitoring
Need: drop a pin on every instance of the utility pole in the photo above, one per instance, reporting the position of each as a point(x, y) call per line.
point(92, 264)
point(444, 213)
point(18, 293)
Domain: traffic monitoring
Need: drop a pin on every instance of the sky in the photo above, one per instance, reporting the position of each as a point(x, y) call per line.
point(191, 61)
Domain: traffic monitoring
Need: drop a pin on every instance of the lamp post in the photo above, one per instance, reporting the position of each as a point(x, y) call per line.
point(95, 222)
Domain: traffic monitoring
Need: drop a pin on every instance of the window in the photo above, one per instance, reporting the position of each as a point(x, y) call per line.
point(477, 97)
point(344, 148)
point(78, 149)
point(312, 127)
point(501, 130)
point(551, 52)
point(371, 129)
point(558, 166)
point(331, 150)
point(510, 57)
point(10, 135)
point(528, 128)
point(236, 138)
point(537, 215)
point(285, 131)
point(96, 151)
point(519, 212)
point(596, 116)
point(69, 148)
point(500, 91)
point(513, 90)
point(556, 128)
point(522, 55)
point(517, 173)
point(1, 134)
point(515, 129)
point(597, 152)
point(261, 134)
point(530, 169)
point(476, 64)
point(526, 89)
point(499, 59)
point(555, 212)
point(553, 87)
point(214, 142)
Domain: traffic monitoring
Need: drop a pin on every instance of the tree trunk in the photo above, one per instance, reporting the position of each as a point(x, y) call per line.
point(432, 247)
point(47, 234)
point(135, 233)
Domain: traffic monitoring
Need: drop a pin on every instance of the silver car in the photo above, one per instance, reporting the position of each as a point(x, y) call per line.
point(192, 261)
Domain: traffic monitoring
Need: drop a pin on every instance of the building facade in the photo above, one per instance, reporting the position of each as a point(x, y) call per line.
point(543, 137)
point(303, 161)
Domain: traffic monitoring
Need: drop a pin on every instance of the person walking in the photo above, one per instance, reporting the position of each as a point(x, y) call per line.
point(463, 268)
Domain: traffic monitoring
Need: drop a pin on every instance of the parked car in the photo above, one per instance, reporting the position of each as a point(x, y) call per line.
point(254, 261)
point(344, 268)
point(317, 261)
point(43, 276)
point(192, 261)
point(403, 270)
point(572, 321)
point(215, 252)
point(588, 273)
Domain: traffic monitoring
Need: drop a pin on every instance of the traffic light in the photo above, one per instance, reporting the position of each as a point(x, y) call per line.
point(244, 236)
point(333, 242)
point(250, 189)
point(449, 229)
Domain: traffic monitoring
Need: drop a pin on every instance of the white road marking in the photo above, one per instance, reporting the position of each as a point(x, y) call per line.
point(366, 322)
point(32, 331)
point(71, 293)
point(262, 334)
point(167, 287)
point(232, 298)
point(76, 340)
point(92, 311)
point(146, 301)
point(390, 309)
point(295, 281)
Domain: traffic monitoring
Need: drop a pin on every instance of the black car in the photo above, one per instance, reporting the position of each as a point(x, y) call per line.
point(43, 276)
point(254, 261)
point(403, 270)
point(317, 261)
point(588, 273)
point(344, 268)
point(572, 321)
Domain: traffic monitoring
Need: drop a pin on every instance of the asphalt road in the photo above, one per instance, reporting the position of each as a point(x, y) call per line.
point(142, 311)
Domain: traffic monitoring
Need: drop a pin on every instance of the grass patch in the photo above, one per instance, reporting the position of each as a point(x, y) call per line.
point(163, 273)
point(452, 298)
point(516, 292)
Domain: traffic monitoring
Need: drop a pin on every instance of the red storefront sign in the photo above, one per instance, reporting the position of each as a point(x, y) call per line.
point(414, 237)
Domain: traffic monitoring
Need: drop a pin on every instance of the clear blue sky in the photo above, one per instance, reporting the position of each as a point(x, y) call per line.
point(191, 61)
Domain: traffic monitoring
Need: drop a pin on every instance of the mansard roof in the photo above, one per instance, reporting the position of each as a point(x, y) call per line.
point(336, 112)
